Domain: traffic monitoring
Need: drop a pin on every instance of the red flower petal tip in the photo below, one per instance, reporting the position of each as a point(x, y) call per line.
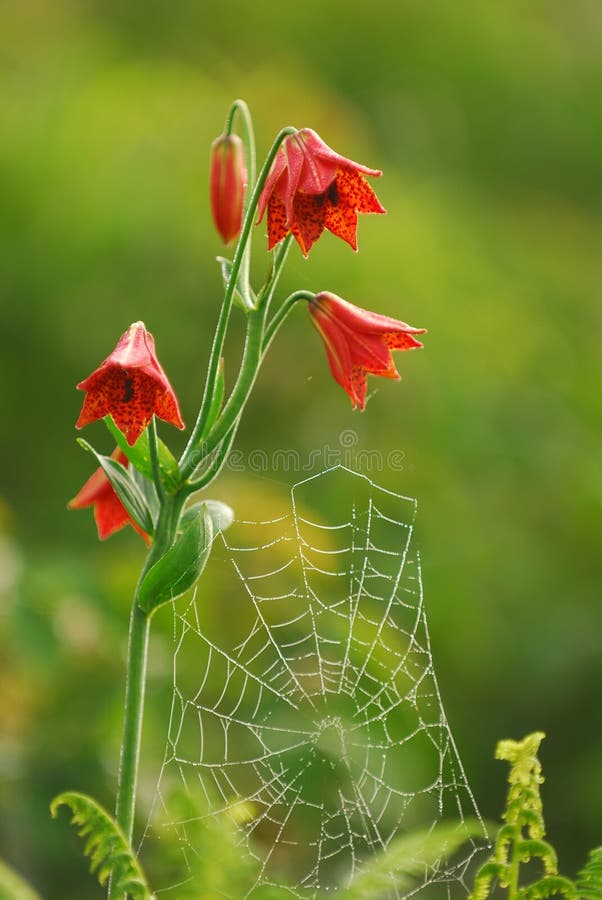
point(359, 342)
point(131, 386)
point(310, 188)
point(109, 512)
point(228, 182)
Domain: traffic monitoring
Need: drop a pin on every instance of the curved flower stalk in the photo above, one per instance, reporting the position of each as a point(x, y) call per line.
point(306, 187)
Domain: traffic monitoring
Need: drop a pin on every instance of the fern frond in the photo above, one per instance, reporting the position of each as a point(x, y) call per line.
point(487, 874)
point(589, 879)
point(520, 839)
point(549, 886)
point(530, 849)
point(109, 852)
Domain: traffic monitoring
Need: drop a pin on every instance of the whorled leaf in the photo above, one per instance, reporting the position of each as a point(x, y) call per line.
point(221, 514)
point(245, 301)
point(125, 488)
point(139, 456)
point(179, 568)
point(110, 853)
point(148, 491)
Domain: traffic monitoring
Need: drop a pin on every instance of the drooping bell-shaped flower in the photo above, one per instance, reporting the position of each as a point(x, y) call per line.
point(109, 512)
point(310, 188)
point(359, 342)
point(228, 182)
point(130, 386)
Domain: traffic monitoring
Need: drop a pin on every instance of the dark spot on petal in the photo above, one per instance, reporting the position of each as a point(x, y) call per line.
point(316, 199)
point(332, 193)
point(128, 389)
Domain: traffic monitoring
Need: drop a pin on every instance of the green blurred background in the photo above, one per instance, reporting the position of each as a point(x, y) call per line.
point(486, 121)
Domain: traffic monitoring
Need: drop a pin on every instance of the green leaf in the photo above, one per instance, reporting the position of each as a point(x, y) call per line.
point(245, 303)
point(221, 514)
point(148, 491)
point(125, 488)
point(406, 858)
point(529, 849)
point(548, 886)
point(140, 458)
point(486, 875)
point(589, 879)
point(13, 887)
point(179, 569)
point(109, 851)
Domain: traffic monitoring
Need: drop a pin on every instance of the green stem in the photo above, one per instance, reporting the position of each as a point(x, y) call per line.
point(279, 317)
point(514, 867)
point(264, 299)
point(217, 463)
point(132, 725)
point(255, 346)
point(266, 293)
point(249, 141)
point(136, 676)
point(239, 106)
point(242, 388)
point(154, 455)
point(222, 324)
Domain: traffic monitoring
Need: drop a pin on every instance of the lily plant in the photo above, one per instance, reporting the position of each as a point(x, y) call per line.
point(303, 188)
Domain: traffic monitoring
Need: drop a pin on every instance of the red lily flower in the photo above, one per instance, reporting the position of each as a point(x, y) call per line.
point(310, 188)
point(131, 386)
point(359, 342)
point(109, 512)
point(228, 181)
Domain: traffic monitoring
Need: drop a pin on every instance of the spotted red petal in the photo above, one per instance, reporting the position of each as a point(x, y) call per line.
point(277, 227)
point(351, 195)
point(359, 342)
point(131, 386)
point(310, 188)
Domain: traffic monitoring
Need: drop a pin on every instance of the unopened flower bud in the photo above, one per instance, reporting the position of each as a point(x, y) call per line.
point(228, 181)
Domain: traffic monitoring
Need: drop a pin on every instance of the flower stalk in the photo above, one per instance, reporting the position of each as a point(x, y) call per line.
point(305, 187)
point(135, 684)
point(132, 722)
point(240, 107)
point(282, 313)
point(186, 463)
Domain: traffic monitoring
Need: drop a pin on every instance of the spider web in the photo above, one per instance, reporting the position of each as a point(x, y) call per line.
point(314, 716)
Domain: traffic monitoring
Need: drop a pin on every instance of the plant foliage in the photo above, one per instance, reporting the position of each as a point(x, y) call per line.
point(407, 857)
point(106, 845)
point(589, 879)
point(521, 839)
